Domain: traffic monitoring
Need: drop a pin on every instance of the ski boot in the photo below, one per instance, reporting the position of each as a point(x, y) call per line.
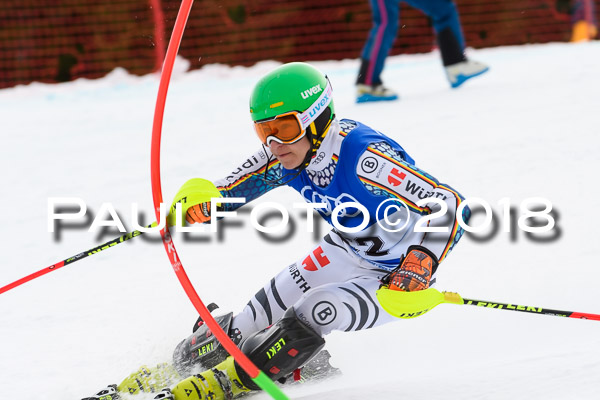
point(278, 350)
point(224, 381)
point(221, 382)
point(198, 352)
point(458, 68)
point(369, 93)
point(202, 350)
point(460, 72)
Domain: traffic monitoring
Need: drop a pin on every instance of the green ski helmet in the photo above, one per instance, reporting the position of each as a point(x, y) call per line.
point(298, 91)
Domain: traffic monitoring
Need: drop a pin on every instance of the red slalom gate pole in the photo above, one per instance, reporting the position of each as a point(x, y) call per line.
point(259, 377)
point(159, 33)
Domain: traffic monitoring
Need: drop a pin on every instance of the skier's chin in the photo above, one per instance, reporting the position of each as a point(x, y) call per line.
point(288, 161)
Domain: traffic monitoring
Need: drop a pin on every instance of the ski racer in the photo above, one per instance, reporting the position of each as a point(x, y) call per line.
point(347, 170)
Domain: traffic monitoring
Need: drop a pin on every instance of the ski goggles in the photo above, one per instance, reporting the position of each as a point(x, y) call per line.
point(290, 127)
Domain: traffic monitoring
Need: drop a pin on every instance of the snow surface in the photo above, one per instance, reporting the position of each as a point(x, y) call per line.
point(528, 128)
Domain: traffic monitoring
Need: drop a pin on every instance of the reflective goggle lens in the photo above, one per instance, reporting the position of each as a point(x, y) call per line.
point(283, 129)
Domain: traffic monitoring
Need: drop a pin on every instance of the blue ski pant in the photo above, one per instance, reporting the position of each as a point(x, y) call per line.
point(386, 15)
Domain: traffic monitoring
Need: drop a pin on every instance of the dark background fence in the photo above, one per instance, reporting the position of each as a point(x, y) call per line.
point(61, 40)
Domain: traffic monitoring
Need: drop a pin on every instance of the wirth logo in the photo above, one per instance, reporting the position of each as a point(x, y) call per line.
point(421, 193)
point(296, 274)
point(309, 92)
point(396, 177)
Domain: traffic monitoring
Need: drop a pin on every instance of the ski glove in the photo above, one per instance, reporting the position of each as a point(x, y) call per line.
point(195, 196)
point(415, 270)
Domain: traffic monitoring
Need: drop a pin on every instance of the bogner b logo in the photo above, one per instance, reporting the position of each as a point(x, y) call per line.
point(309, 92)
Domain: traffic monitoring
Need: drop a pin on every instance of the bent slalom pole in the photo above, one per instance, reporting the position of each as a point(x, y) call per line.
point(259, 377)
point(74, 258)
point(412, 304)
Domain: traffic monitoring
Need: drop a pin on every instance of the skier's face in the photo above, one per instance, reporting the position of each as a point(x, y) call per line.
point(290, 155)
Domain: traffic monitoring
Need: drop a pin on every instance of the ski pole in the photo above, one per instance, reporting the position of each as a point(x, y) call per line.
point(412, 304)
point(528, 309)
point(74, 258)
